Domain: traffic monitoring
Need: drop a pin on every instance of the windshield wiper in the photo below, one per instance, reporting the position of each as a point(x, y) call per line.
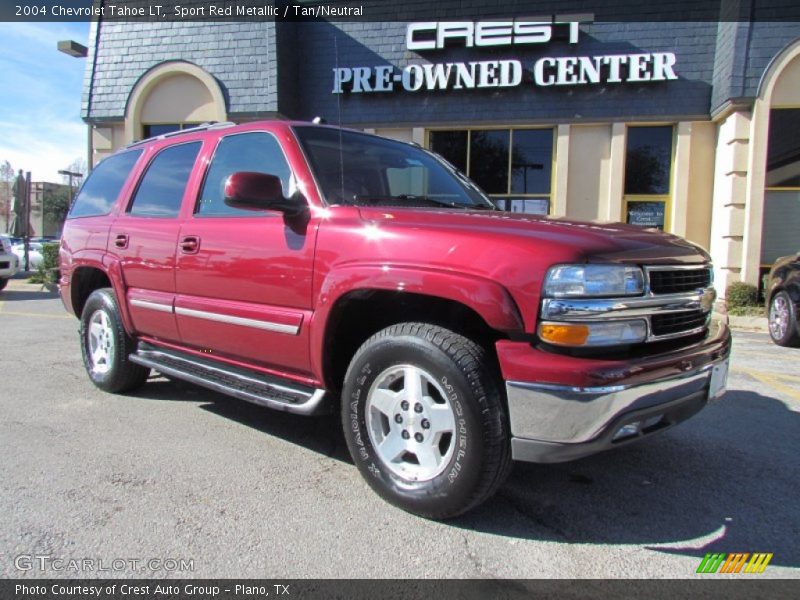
point(412, 198)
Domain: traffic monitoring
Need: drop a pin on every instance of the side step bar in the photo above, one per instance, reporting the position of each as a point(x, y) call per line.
point(272, 392)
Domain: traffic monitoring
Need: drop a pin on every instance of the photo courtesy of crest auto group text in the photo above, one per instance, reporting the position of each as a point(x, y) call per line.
point(379, 298)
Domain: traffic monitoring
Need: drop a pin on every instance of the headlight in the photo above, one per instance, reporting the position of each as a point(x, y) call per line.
point(572, 281)
point(607, 333)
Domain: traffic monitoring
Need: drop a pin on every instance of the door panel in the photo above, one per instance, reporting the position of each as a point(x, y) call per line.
point(152, 312)
point(246, 291)
point(243, 278)
point(148, 269)
point(145, 239)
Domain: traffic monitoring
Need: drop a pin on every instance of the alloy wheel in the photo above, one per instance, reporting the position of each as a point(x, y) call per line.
point(411, 423)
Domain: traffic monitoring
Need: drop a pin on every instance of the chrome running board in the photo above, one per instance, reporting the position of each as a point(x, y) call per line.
point(265, 390)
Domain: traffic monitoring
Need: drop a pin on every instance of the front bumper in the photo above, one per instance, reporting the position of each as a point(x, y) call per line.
point(556, 421)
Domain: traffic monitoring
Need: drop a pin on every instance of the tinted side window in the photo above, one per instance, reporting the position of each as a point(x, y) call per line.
point(256, 152)
point(161, 189)
point(103, 185)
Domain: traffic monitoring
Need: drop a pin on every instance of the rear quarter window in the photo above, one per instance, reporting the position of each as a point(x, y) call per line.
point(101, 189)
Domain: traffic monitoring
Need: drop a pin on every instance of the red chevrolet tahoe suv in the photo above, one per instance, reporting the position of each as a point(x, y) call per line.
point(309, 269)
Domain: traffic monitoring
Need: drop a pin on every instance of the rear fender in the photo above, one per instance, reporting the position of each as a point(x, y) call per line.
point(110, 266)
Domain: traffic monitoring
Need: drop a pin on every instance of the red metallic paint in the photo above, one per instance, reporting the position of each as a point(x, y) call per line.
point(270, 267)
point(148, 264)
point(150, 320)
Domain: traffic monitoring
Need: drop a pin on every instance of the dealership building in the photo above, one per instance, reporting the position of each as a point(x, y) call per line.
point(689, 126)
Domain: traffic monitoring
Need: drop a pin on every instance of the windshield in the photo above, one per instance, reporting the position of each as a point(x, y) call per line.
point(366, 170)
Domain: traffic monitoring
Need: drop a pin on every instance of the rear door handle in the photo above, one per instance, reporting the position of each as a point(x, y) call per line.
point(190, 244)
point(121, 241)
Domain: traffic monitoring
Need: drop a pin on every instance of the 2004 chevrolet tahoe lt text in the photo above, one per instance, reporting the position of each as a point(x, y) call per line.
point(309, 269)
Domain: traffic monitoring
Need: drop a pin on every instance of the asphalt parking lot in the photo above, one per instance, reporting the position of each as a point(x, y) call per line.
point(175, 472)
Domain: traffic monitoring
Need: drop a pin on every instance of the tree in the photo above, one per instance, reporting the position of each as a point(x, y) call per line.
point(78, 168)
point(6, 184)
point(55, 205)
point(78, 165)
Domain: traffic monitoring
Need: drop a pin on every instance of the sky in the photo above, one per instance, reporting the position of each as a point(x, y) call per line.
point(41, 130)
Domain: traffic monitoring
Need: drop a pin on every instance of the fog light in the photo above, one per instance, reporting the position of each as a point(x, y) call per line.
point(627, 431)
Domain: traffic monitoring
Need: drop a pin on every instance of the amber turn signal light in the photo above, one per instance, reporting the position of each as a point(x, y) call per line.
point(564, 334)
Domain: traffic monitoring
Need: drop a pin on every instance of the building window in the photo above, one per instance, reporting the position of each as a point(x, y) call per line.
point(155, 129)
point(648, 173)
point(513, 166)
point(489, 155)
point(453, 146)
point(782, 194)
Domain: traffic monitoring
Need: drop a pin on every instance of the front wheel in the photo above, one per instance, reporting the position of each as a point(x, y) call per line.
point(3, 283)
point(783, 320)
point(106, 345)
point(424, 420)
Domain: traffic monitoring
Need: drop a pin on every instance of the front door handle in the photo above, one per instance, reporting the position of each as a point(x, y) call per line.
point(190, 244)
point(121, 241)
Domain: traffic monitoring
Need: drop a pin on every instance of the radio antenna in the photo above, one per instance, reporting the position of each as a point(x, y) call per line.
point(339, 117)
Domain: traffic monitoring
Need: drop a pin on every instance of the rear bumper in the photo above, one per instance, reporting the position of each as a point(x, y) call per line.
point(9, 265)
point(553, 421)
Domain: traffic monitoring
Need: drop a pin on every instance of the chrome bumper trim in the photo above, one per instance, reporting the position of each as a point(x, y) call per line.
point(558, 414)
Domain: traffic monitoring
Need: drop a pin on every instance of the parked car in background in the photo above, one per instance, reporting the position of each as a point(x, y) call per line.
point(34, 254)
point(782, 293)
point(45, 239)
point(9, 262)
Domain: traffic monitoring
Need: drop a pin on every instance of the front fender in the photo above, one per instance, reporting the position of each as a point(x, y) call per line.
point(486, 297)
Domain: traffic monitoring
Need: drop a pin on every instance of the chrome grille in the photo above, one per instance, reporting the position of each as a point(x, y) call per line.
point(676, 280)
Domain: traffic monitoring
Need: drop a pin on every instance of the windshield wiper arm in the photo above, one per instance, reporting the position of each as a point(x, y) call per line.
point(447, 203)
point(450, 204)
point(370, 199)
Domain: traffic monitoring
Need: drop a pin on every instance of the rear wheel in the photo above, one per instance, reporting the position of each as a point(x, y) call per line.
point(424, 420)
point(3, 283)
point(105, 345)
point(783, 320)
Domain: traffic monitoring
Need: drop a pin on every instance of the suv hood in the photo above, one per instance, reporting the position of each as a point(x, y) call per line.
point(593, 242)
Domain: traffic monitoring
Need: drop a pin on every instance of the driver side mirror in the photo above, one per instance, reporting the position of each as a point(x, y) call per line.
point(260, 191)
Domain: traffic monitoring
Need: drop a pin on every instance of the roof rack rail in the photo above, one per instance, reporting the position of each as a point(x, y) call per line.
point(202, 127)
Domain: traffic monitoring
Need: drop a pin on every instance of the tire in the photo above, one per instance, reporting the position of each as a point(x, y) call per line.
point(3, 283)
point(105, 345)
point(782, 320)
point(456, 449)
